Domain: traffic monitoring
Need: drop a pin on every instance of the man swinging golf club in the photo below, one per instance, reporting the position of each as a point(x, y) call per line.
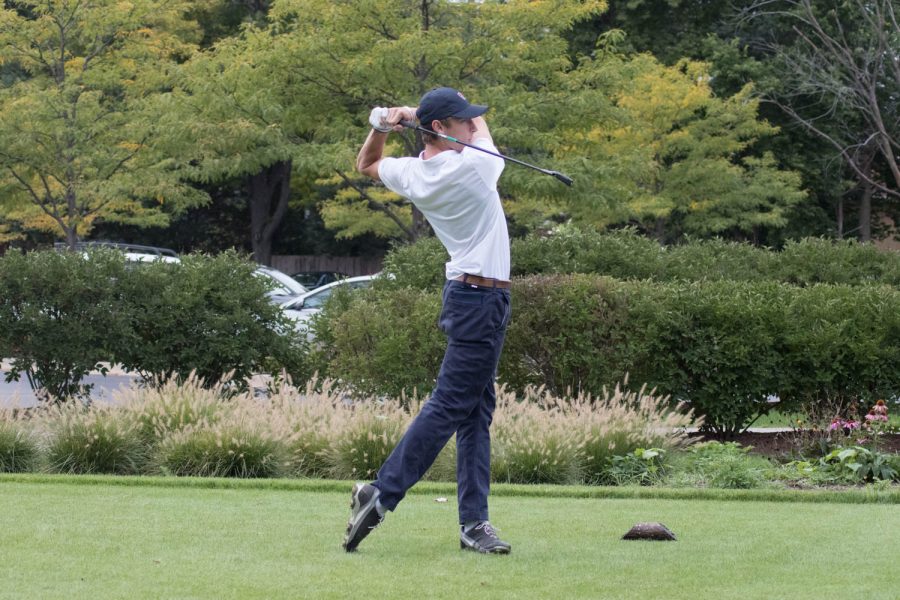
point(455, 187)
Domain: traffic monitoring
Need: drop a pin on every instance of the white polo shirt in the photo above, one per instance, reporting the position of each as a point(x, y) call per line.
point(457, 193)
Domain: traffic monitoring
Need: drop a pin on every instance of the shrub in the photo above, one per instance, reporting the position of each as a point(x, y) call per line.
point(623, 254)
point(93, 440)
point(60, 316)
point(817, 260)
point(388, 343)
point(206, 315)
point(724, 346)
point(19, 452)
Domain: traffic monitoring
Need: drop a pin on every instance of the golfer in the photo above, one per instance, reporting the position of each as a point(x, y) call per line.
point(456, 189)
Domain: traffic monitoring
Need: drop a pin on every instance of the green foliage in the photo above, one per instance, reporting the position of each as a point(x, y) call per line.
point(369, 349)
point(19, 452)
point(419, 266)
point(727, 466)
point(65, 313)
point(858, 465)
point(644, 466)
point(61, 314)
point(625, 254)
point(658, 147)
point(93, 440)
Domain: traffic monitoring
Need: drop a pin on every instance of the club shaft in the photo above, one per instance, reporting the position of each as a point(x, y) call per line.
point(560, 176)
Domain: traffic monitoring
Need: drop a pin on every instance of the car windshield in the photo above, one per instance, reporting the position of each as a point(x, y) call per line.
point(287, 285)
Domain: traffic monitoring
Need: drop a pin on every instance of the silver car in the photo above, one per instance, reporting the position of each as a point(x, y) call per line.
point(301, 309)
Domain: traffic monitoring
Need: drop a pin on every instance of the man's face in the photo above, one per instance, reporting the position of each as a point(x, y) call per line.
point(461, 129)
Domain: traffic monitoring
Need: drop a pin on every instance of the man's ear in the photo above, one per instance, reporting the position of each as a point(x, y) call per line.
point(437, 126)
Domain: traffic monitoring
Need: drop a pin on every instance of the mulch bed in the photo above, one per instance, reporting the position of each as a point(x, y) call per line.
point(786, 443)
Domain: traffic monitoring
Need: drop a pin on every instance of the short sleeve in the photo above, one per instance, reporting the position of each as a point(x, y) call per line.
point(390, 172)
point(489, 167)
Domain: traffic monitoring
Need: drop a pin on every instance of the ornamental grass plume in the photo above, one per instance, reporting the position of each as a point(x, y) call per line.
point(19, 452)
point(549, 439)
point(91, 439)
point(240, 442)
point(172, 405)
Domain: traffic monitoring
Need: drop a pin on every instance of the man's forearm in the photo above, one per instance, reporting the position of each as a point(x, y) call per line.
point(371, 151)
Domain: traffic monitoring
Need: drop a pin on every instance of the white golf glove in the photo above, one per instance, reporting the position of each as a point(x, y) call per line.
point(377, 120)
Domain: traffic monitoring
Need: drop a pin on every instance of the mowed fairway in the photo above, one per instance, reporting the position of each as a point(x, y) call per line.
point(60, 539)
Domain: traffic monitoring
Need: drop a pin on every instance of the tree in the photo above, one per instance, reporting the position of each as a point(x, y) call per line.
point(76, 140)
point(344, 57)
point(652, 145)
point(840, 66)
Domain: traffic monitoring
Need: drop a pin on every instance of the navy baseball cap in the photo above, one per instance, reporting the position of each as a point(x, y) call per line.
point(443, 102)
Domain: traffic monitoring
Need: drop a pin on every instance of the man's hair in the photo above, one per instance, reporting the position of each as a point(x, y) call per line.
point(429, 138)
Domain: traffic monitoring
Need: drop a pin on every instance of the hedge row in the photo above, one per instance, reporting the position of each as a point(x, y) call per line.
point(626, 255)
point(724, 346)
point(62, 314)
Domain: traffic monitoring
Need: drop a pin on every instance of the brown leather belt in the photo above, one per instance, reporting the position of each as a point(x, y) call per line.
point(485, 282)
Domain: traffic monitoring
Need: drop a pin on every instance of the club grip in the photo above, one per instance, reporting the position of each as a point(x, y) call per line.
point(408, 124)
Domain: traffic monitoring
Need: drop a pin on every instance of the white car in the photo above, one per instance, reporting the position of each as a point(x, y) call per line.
point(301, 309)
point(283, 287)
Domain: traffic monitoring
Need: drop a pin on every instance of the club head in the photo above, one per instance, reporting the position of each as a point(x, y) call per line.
point(564, 178)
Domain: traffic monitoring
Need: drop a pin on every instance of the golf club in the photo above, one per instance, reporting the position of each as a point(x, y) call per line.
point(564, 178)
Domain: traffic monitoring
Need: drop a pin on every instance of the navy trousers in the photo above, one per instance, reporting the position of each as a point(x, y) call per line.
point(474, 321)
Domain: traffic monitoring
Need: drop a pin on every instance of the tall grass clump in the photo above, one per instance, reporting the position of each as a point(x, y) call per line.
point(365, 434)
point(544, 438)
point(533, 441)
point(621, 421)
point(172, 406)
point(19, 451)
point(239, 443)
point(92, 439)
point(306, 421)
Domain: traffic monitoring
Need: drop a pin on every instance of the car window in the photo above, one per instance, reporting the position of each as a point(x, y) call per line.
point(317, 299)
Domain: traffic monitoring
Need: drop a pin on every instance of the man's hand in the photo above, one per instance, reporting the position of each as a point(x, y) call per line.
point(385, 120)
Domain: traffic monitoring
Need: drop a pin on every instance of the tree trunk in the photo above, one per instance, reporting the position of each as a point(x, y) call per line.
point(840, 218)
point(270, 190)
point(865, 213)
point(660, 230)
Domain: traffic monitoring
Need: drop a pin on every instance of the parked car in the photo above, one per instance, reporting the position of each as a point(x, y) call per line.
point(282, 287)
point(315, 279)
point(301, 309)
point(134, 253)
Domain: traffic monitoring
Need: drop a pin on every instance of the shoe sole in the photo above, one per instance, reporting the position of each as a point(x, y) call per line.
point(357, 515)
point(480, 550)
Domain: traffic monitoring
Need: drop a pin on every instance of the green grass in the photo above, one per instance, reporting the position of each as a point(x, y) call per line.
point(106, 537)
point(778, 419)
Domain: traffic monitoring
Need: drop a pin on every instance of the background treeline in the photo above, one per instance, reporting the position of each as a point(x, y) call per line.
point(211, 124)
